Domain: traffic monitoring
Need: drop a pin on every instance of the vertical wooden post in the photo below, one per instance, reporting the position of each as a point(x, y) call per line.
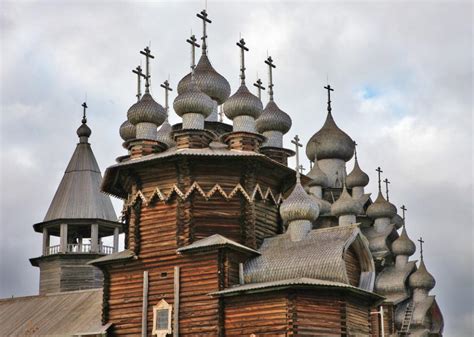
point(45, 241)
point(382, 327)
point(116, 239)
point(63, 238)
point(176, 302)
point(241, 273)
point(145, 304)
point(95, 238)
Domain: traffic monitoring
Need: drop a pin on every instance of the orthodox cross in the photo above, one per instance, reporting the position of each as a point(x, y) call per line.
point(243, 49)
point(386, 181)
point(301, 168)
point(203, 17)
point(148, 56)
point(297, 143)
point(192, 41)
point(260, 87)
point(84, 119)
point(269, 62)
point(420, 240)
point(166, 86)
point(404, 209)
point(379, 170)
point(138, 71)
point(329, 89)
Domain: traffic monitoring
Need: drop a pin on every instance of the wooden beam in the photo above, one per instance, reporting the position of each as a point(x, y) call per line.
point(63, 238)
point(116, 239)
point(45, 241)
point(95, 238)
point(145, 304)
point(176, 302)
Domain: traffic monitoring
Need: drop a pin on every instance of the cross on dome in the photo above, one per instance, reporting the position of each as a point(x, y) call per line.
point(243, 49)
point(139, 72)
point(84, 118)
point(166, 86)
point(329, 89)
point(386, 181)
point(203, 16)
point(296, 141)
point(420, 240)
point(192, 41)
point(404, 209)
point(147, 53)
point(379, 171)
point(269, 62)
point(260, 87)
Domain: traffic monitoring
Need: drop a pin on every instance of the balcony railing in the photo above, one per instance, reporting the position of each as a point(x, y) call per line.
point(77, 248)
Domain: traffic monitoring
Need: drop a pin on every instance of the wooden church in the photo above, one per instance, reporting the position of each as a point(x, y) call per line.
point(222, 238)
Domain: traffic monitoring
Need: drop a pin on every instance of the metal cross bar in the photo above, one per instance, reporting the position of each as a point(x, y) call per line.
point(84, 118)
point(203, 16)
point(269, 62)
point(420, 240)
point(148, 56)
point(260, 87)
point(139, 72)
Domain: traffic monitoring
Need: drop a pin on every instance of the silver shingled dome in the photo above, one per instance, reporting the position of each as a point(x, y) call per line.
point(357, 177)
point(421, 279)
point(403, 245)
point(243, 103)
point(273, 119)
point(299, 206)
point(146, 110)
point(208, 81)
point(127, 131)
point(192, 100)
point(164, 134)
point(345, 205)
point(318, 177)
point(84, 130)
point(381, 208)
point(330, 142)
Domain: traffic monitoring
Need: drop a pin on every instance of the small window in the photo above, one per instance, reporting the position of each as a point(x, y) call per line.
point(162, 319)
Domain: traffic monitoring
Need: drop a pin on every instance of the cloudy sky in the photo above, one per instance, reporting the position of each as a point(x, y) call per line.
point(402, 72)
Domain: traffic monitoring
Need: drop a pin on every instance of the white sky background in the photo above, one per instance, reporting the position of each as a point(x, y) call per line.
point(402, 74)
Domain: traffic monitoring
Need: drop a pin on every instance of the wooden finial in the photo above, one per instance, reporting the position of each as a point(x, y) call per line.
point(269, 62)
point(147, 53)
point(243, 49)
point(329, 89)
point(203, 16)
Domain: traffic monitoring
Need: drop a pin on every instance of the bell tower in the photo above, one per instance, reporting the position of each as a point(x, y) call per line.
point(79, 217)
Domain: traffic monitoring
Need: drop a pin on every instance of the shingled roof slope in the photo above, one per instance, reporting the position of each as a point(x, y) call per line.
point(78, 195)
point(59, 314)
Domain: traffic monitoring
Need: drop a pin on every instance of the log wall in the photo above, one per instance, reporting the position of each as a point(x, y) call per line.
point(352, 266)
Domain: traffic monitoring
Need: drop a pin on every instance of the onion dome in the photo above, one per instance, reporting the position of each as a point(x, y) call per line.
point(330, 142)
point(243, 103)
point(273, 119)
point(421, 279)
point(381, 208)
point(345, 205)
point(318, 177)
point(84, 130)
point(208, 81)
point(191, 99)
point(403, 245)
point(357, 177)
point(164, 134)
point(146, 110)
point(127, 131)
point(299, 206)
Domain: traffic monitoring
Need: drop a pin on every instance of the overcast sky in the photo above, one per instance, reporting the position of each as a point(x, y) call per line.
point(402, 74)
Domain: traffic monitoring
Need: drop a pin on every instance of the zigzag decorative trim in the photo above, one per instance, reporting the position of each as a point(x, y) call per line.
point(216, 189)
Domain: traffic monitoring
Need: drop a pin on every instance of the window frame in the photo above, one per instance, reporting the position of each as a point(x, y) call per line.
point(160, 306)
